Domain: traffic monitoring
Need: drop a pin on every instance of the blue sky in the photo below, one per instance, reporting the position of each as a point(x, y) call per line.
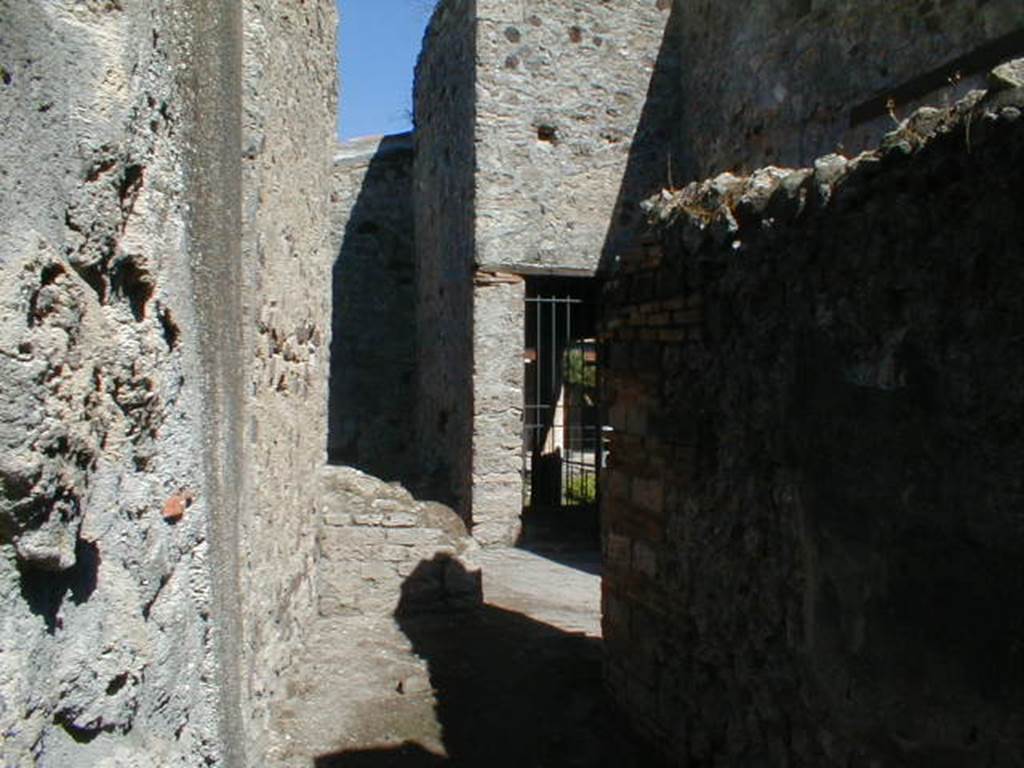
point(377, 49)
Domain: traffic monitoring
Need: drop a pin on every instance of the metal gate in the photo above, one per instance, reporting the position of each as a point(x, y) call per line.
point(562, 432)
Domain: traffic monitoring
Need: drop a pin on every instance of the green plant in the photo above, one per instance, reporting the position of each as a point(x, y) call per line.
point(581, 489)
point(577, 371)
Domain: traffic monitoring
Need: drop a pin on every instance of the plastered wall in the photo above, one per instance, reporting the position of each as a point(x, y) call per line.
point(165, 294)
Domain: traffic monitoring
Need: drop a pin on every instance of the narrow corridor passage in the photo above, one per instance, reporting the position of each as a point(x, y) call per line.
point(514, 683)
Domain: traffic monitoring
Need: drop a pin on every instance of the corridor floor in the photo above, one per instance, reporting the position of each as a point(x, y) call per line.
point(514, 683)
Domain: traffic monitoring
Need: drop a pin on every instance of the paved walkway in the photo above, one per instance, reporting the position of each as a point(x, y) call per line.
point(515, 683)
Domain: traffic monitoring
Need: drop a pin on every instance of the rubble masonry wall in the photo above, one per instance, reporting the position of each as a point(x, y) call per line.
point(289, 99)
point(444, 100)
point(373, 343)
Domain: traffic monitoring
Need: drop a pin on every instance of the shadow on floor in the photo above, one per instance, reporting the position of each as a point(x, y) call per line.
point(408, 755)
point(509, 691)
point(569, 535)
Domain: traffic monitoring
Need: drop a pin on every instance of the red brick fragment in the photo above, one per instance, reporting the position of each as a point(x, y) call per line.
point(175, 506)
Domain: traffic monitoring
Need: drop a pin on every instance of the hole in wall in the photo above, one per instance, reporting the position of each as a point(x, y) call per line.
point(169, 328)
point(92, 274)
point(117, 683)
point(547, 134)
point(44, 591)
point(99, 168)
point(575, 34)
point(132, 283)
point(48, 276)
point(81, 735)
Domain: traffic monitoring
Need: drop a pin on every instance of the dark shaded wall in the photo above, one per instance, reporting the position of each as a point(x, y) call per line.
point(373, 341)
point(783, 81)
point(445, 140)
point(813, 536)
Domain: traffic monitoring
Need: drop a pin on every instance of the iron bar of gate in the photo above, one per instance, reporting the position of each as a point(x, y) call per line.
point(562, 411)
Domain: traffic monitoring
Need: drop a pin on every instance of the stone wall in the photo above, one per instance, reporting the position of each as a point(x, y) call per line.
point(784, 81)
point(528, 158)
point(561, 89)
point(289, 101)
point(443, 179)
point(109, 477)
point(375, 536)
point(373, 342)
point(498, 303)
point(812, 513)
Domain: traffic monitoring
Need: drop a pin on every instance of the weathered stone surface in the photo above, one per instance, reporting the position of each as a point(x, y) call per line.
point(497, 408)
point(289, 82)
point(1007, 76)
point(812, 542)
point(574, 105)
point(106, 649)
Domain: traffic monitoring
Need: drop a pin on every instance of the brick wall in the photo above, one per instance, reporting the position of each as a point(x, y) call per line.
point(812, 513)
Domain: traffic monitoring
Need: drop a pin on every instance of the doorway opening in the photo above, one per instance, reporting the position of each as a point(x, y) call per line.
point(562, 451)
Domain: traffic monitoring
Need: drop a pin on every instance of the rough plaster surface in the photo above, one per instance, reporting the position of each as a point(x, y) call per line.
point(289, 98)
point(106, 637)
point(373, 342)
point(812, 515)
point(775, 82)
point(164, 353)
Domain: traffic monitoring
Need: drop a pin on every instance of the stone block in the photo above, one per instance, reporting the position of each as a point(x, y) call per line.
point(648, 494)
point(400, 519)
point(367, 518)
point(618, 550)
point(415, 537)
point(645, 559)
point(377, 571)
